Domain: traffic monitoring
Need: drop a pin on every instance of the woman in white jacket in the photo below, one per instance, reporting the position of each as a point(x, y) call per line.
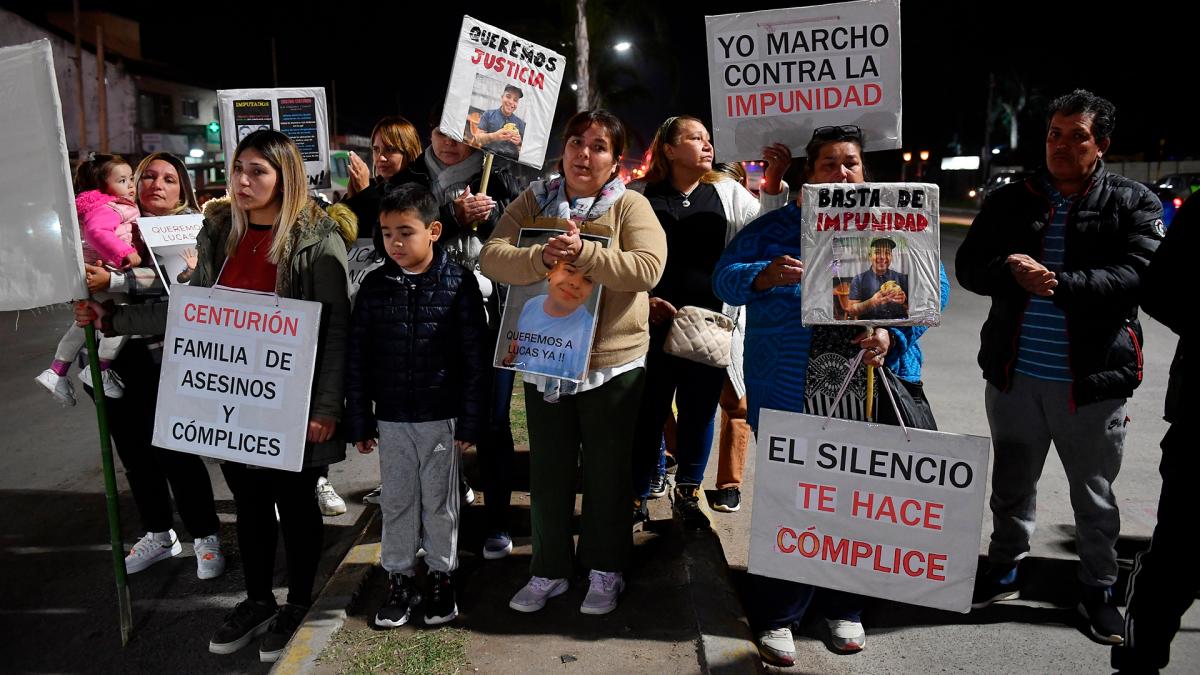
point(700, 210)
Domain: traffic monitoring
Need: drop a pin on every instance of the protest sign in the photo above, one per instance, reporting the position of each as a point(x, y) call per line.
point(40, 250)
point(871, 254)
point(776, 75)
point(237, 376)
point(502, 93)
point(172, 242)
point(360, 260)
point(298, 112)
point(547, 327)
point(856, 507)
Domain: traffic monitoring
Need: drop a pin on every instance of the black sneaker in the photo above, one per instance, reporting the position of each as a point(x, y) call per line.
point(641, 512)
point(280, 632)
point(687, 507)
point(727, 500)
point(995, 587)
point(440, 607)
point(402, 597)
point(658, 486)
point(1104, 619)
point(248, 620)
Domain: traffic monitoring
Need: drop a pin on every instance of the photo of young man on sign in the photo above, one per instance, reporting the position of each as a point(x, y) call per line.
point(547, 327)
point(499, 129)
point(880, 292)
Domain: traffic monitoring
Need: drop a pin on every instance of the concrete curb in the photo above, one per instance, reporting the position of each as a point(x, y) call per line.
point(726, 643)
point(328, 612)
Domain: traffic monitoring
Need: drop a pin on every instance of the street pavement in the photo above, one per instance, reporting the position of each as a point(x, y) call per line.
point(57, 601)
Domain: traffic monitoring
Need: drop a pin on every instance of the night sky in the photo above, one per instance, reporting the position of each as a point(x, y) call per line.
point(387, 58)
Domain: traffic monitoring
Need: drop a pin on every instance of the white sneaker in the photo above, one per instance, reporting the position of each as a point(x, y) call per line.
point(210, 562)
point(846, 636)
point(534, 595)
point(603, 592)
point(113, 386)
point(60, 386)
point(777, 647)
point(152, 548)
point(327, 498)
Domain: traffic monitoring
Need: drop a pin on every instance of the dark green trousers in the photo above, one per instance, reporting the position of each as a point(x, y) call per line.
point(597, 426)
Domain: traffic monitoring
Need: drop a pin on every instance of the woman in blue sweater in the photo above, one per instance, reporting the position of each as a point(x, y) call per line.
point(761, 268)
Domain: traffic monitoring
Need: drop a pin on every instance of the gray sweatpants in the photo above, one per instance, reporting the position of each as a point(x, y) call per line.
point(418, 464)
point(1090, 441)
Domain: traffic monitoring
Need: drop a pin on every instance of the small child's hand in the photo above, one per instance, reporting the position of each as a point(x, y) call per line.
point(463, 446)
point(366, 447)
point(131, 260)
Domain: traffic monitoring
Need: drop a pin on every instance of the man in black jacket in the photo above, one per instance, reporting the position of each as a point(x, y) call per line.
point(1061, 255)
point(1164, 581)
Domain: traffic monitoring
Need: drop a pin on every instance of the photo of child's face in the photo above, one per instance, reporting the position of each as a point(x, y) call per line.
point(567, 289)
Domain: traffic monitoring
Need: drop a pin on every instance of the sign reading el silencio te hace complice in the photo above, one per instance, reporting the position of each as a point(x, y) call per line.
point(862, 508)
point(237, 376)
point(776, 75)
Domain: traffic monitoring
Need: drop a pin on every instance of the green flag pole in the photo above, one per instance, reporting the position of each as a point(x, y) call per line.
point(110, 490)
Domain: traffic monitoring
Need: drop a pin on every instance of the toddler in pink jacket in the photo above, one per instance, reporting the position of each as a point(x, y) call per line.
point(104, 199)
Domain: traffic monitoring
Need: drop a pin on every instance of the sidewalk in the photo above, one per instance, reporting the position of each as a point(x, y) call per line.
point(678, 613)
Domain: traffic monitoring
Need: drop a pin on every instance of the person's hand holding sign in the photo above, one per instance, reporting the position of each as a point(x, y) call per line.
point(1031, 275)
point(778, 157)
point(566, 246)
point(360, 174)
point(473, 208)
point(782, 271)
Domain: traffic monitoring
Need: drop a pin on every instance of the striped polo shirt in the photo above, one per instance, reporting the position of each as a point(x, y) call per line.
point(1042, 347)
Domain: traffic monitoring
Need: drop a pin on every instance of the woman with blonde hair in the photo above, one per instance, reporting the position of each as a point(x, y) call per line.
point(270, 236)
point(395, 146)
point(700, 210)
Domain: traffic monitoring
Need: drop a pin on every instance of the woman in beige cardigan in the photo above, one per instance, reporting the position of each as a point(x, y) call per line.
point(592, 419)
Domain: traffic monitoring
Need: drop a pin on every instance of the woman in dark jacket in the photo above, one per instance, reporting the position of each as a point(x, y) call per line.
point(395, 146)
point(272, 238)
point(155, 475)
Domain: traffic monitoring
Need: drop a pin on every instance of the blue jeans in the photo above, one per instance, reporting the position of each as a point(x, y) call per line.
point(696, 389)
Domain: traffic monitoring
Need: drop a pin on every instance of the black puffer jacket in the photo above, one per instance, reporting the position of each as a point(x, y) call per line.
point(417, 349)
point(1163, 293)
point(1111, 233)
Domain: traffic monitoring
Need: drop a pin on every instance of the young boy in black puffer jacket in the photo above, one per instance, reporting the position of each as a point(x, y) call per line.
point(416, 381)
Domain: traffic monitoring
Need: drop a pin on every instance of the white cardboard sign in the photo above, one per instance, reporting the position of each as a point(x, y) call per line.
point(237, 376)
point(299, 112)
point(871, 254)
point(776, 75)
point(502, 93)
point(856, 507)
point(41, 257)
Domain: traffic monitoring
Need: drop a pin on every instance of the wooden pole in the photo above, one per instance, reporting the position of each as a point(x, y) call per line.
point(483, 182)
point(101, 89)
point(79, 82)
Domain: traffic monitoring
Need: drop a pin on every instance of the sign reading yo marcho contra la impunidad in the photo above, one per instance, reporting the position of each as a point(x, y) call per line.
point(776, 75)
point(237, 376)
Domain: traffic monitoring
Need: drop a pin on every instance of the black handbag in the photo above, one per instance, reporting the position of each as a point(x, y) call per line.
point(910, 399)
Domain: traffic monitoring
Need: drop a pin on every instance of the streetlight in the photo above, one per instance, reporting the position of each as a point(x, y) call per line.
point(921, 165)
point(622, 46)
point(904, 168)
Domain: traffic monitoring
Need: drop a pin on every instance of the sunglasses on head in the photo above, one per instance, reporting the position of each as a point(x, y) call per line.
point(843, 132)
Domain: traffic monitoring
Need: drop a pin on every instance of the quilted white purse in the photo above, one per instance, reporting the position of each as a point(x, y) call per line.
point(701, 335)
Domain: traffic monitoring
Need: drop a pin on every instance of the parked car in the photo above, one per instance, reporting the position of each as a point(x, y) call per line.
point(997, 181)
point(1174, 189)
